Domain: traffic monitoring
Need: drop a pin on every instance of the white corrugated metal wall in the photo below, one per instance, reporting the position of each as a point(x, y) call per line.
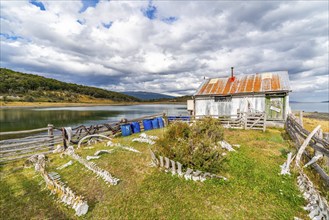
point(208, 105)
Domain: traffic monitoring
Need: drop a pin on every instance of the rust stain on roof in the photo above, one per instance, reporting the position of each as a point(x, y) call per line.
point(220, 87)
point(227, 86)
point(243, 83)
point(209, 86)
point(214, 88)
point(257, 83)
point(202, 89)
point(235, 86)
point(250, 83)
point(260, 82)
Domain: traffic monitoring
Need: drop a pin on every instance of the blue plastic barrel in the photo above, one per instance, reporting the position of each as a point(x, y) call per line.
point(155, 123)
point(126, 129)
point(147, 123)
point(161, 123)
point(135, 127)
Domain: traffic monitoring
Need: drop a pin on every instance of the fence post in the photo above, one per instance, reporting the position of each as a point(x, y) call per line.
point(301, 118)
point(264, 126)
point(326, 136)
point(165, 118)
point(245, 120)
point(319, 134)
point(51, 134)
point(326, 159)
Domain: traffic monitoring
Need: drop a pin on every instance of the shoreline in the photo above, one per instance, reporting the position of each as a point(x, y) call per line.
point(11, 105)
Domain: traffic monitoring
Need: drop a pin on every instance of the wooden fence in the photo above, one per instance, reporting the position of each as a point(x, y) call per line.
point(245, 120)
point(17, 148)
point(298, 134)
point(47, 138)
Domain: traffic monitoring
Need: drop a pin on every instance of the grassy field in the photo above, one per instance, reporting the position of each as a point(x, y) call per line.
point(255, 190)
point(311, 120)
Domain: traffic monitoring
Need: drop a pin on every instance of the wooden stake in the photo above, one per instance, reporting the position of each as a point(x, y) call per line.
point(51, 134)
point(301, 118)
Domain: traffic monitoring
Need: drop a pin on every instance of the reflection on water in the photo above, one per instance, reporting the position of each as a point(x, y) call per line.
point(31, 118)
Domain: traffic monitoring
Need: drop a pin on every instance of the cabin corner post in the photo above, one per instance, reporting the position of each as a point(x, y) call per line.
point(51, 134)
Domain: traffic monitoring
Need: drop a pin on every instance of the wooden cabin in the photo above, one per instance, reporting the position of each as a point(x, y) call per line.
point(260, 92)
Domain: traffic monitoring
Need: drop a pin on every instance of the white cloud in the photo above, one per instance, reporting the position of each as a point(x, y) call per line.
point(136, 53)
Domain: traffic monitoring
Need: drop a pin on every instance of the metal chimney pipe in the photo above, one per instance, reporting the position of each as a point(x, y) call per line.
point(232, 76)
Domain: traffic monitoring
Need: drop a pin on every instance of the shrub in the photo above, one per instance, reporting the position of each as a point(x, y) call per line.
point(195, 146)
point(29, 99)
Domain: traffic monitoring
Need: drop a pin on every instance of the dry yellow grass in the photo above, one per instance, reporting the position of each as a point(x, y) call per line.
point(311, 123)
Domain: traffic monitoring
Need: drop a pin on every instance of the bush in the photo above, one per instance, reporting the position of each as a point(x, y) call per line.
point(195, 146)
point(29, 99)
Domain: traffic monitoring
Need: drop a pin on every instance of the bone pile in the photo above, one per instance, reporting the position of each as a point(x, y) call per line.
point(105, 175)
point(118, 145)
point(144, 138)
point(226, 145)
point(130, 149)
point(317, 205)
point(65, 165)
point(176, 169)
point(92, 136)
point(285, 168)
point(98, 153)
point(53, 183)
point(92, 157)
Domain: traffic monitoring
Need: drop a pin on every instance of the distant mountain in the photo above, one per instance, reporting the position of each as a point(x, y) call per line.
point(325, 102)
point(16, 86)
point(146, 96)
point(294, 102)
point(182, 98)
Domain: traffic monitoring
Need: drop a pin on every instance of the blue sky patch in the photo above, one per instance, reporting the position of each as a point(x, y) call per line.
point(170, 20)
point(107, 25)
point(38, 4)
point(82, 22)
point(87, 4)
point(150, 11)
point(9, 37)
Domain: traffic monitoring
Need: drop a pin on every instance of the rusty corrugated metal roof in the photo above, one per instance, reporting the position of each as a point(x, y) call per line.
point(252, 83)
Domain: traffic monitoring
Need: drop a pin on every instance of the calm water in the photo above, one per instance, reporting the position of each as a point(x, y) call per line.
point(310, 107)
point(31, 118)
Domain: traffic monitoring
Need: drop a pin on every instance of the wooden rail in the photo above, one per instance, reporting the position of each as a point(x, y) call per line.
point(18, 148)
point(23, 132)
point(242, 120)
point(298, 134)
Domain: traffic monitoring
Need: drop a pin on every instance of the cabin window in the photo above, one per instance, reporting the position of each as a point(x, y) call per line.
point(223, 98)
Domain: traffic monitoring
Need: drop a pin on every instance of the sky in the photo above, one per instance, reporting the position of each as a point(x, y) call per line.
point(168, 46)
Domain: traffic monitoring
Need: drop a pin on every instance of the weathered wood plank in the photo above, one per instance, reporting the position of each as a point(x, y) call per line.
point(23, 132)
point(25, 148)
point(29, 142)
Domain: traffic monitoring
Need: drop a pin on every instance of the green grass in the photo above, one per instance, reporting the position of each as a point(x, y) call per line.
point(255, 190)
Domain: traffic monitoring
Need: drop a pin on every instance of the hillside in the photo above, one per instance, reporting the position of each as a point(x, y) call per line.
point(16, 86)
point(148, 95)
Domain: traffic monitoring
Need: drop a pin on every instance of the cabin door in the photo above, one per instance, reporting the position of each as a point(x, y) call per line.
point(274, 108)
